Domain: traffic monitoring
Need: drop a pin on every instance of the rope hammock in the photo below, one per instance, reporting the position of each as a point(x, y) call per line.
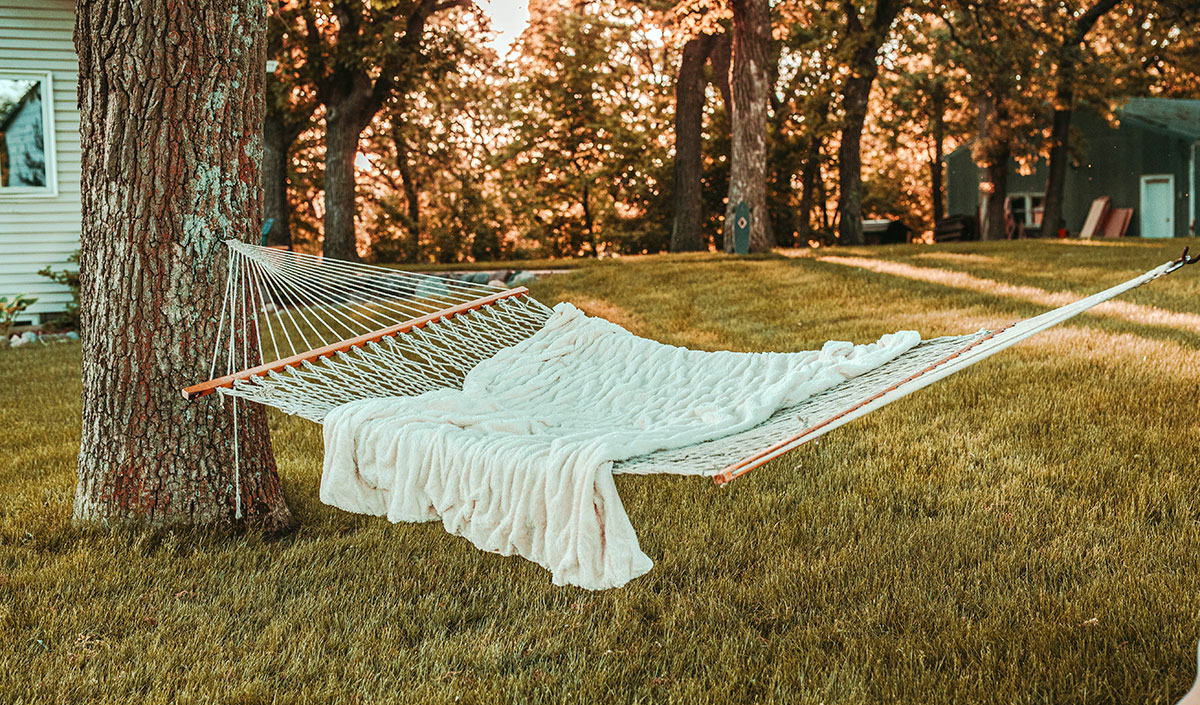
point(476, 404)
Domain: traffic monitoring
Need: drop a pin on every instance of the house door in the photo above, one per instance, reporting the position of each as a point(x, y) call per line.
point(1158, 205)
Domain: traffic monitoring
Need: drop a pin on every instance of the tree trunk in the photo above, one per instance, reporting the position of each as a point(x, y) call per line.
point(856, 94)
point(996, 154)
point(936, 166)
point(171, 167)
point(1056, 171)
point(719, 57)
point(995, 224)
point(808, 183)
point(408, 183)
point(854, 100)
point(686, 233)
point(1060, 131)
point(751, 89)
point(276, 147)
point(341, 148)
point(588, 224)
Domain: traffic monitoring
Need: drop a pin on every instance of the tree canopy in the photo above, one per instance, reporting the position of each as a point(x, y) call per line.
point(566, 143)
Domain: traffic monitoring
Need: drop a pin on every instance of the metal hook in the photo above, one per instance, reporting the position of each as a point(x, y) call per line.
point(1185, 259)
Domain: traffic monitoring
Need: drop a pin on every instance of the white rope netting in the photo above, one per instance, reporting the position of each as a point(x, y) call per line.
point(343, 330)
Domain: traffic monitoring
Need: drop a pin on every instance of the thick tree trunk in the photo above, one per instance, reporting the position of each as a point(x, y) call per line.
point(276, 147)
point(171, 166)
point(341, 148)
point(686, 233)
point(750, 84)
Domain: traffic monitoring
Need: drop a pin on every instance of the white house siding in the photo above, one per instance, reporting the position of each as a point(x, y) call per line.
point(36, 231)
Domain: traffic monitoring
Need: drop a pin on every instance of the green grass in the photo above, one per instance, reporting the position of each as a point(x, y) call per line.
point(1024, 532)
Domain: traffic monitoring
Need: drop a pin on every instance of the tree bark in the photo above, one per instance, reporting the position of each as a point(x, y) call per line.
point(856, 95)
point(341, 148)
point(750, 84)
point(686, 233)
point(1060, 131)
point(171, 166)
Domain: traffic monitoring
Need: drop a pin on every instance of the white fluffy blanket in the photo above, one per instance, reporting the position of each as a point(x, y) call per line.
point(520, 460)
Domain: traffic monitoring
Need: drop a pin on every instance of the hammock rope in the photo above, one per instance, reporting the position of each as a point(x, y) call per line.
point(306, 334)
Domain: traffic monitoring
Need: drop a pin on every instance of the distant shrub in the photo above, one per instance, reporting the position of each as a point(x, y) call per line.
point(10, 307)
point(69, 318)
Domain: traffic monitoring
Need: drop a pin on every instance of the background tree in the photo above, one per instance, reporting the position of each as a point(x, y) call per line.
point(1005, 73)
point(1070, 54)
point(750, 83)
point(805, 118)
point(361, 55)
point(690, 90)
point(291, 103)
point(708, 45)
point(922, 109)
point(866, 29)
point(152, 265)
point(587, 131)
point(431, 193)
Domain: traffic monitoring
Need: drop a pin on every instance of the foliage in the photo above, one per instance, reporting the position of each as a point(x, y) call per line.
point(69, 277)
point(11, 307)
point(588, 117)
point(429, 194)
point(1027, 528)
point(563, 146)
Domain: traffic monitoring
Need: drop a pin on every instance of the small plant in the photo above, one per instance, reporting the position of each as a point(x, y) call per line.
point(10, 307)
point(69, 318)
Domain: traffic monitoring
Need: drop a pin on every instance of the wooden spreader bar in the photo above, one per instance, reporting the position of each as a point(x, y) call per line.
point(205, 388)
point(766, 455)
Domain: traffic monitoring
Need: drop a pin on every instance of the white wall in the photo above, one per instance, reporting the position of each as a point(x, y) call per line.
point(35, 231)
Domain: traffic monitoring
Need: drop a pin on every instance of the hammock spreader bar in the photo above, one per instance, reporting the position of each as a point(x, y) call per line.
point(765, 456)
point(204, 388)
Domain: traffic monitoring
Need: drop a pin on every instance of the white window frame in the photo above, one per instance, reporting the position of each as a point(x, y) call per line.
point(1027, 197)
point(50, 190)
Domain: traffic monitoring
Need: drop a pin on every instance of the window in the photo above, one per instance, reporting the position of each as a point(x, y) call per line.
point(1026, 208)
point(26, 135)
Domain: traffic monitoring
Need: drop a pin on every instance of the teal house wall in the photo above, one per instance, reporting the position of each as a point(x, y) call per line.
point(1153, 136)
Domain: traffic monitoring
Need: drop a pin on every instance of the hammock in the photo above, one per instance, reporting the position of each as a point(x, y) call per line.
point(474, 403)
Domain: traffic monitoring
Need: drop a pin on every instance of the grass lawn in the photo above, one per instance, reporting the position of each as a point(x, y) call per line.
point(1025, 532)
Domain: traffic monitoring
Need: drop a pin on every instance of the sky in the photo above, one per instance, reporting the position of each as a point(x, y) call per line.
point(509, 18)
